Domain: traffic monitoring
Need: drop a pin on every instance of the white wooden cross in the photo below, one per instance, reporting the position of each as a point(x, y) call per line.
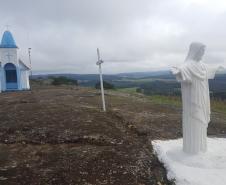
point(99, 62)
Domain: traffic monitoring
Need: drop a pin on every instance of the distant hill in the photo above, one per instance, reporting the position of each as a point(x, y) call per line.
point(157, 82)
point(107, 77)
point(92, 79)
point(78, 76)
point(83, 79)
point(144, 74)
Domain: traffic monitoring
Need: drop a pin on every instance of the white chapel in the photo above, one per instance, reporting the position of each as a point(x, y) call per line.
point(14, 74)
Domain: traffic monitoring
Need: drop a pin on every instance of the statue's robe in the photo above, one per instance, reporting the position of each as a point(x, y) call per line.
point(194, 77)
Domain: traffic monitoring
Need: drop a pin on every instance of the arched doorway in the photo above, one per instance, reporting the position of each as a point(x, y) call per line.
point(11, 76)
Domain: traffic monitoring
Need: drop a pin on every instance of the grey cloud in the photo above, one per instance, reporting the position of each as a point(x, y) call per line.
point(144, 34)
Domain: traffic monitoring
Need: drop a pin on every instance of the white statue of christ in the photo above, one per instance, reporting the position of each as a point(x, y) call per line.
point(194, 75)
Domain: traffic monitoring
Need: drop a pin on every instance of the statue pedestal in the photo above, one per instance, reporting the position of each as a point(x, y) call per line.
point(188, 169)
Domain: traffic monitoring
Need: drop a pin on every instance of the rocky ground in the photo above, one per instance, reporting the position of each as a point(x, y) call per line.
point(58, 135)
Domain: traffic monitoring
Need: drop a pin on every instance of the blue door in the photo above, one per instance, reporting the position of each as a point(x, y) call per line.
point(11, 77)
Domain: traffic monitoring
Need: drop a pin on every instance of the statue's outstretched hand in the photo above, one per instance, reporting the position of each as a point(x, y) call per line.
point(175, 70)
point(221, 68)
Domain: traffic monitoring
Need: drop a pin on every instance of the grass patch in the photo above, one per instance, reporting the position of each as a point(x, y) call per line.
point(132, 90)
point(219, 106)
point(165, 100)
point(216, 106)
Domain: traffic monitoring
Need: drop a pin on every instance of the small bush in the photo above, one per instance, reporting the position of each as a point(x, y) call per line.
point(107, 85)
point(64, 81)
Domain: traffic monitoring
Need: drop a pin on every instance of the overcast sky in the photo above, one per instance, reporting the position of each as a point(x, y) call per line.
point(133, 35)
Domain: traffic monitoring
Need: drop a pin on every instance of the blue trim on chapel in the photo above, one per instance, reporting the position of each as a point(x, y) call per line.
point(8, 40)
point(11, 76)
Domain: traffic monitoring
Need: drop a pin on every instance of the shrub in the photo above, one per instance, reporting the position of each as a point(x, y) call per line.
point(64, 81)
point(107, 85)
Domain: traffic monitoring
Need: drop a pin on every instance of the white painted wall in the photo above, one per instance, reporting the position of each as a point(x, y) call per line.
point(24, 78)
point(22, 73)
point(4, 58)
